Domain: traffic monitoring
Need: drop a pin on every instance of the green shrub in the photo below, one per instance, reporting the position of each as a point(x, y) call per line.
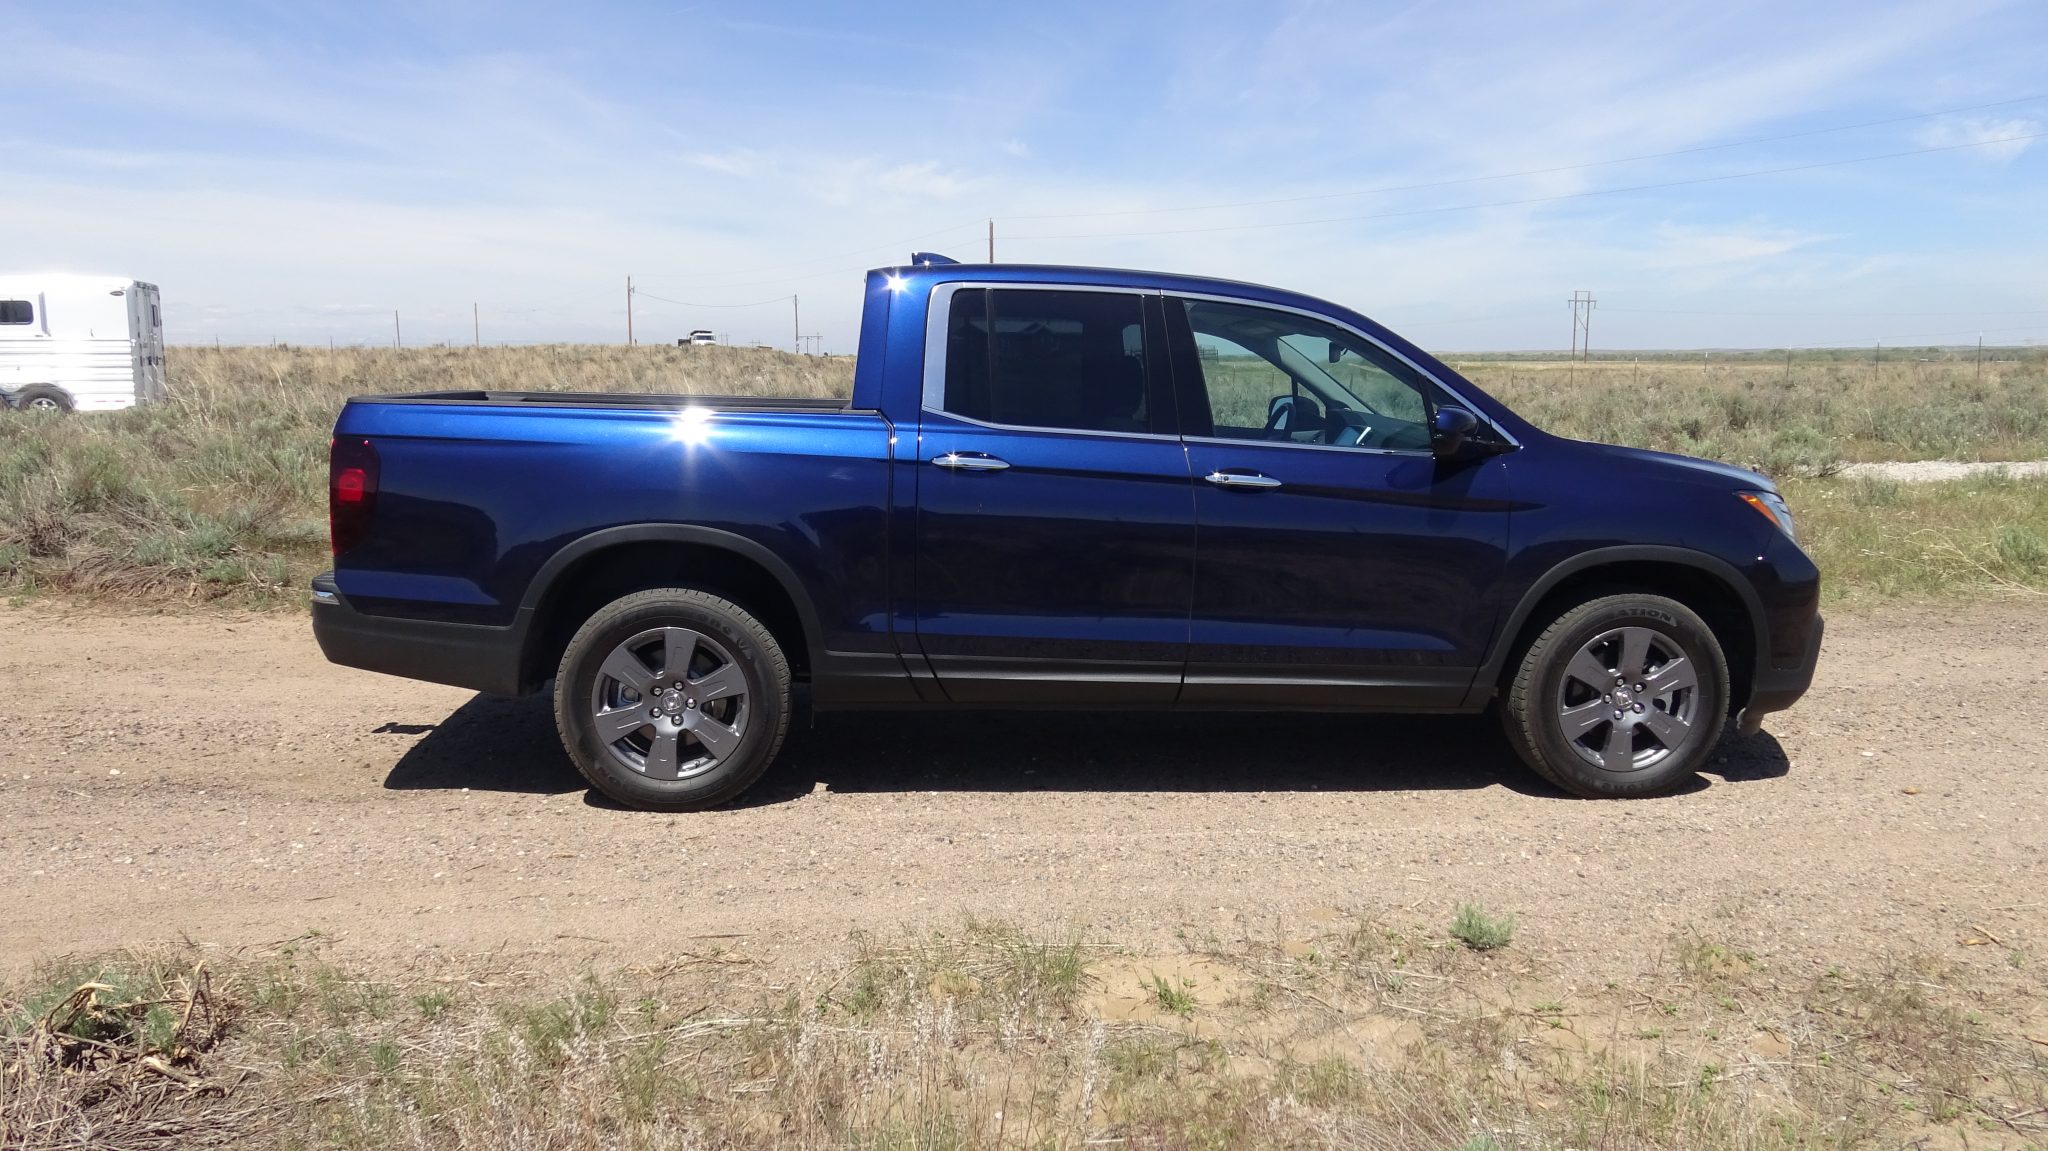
point(2022, 548)
point(1480, 931)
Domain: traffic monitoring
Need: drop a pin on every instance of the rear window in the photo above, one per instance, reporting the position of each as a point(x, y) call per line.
point(17, 312)
point(1048, 359)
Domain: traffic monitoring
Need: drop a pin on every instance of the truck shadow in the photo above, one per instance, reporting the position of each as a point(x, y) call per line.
point(497, 744)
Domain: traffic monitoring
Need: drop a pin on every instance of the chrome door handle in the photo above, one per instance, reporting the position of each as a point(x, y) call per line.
point(1241, 480)
point(970, 462)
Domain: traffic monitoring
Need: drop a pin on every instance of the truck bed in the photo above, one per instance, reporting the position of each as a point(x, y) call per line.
point(617, 400)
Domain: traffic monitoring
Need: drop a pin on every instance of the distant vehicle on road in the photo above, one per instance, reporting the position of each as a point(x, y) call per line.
point(698, 338)
point(1066, 488)
point(79, 343)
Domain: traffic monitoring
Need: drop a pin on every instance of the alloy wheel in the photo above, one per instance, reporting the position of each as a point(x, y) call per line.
point(670, 703)
point(1629, 699)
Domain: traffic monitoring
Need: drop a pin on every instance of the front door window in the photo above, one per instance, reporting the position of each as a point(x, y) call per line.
point(1278, 377)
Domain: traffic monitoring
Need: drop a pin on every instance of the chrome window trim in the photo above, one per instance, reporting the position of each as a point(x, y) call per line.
point(1418, 369)
point(932, 429)
point(939, 309)
point(1349, 448)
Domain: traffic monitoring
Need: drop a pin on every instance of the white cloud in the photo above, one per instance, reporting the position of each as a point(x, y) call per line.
point(1994, 137)
point(739, 163)
point(1680, 248)
point(533, 183)
point(924, 178)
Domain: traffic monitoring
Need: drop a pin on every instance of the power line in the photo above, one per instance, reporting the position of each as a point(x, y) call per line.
point(1539, 199)
point(647, 295)
point(1692, 312)
point(892, 245)
point(1896, 338)
point(1442, 209)
point(1531, 171)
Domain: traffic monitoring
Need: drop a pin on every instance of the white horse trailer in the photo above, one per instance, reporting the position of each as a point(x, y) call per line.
point(80, 343)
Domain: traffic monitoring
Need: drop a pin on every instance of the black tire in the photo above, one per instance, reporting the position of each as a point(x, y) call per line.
point(42, 397)
point(627, 769)
point(1599, 763)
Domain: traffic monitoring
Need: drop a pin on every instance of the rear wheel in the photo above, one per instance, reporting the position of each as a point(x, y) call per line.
point(42, 398)
point(1621, 696)
point(672, 700)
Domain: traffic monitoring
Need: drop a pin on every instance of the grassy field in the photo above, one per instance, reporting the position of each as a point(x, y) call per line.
point(218, 494)
point(1448, 1038)
point(1752, 411)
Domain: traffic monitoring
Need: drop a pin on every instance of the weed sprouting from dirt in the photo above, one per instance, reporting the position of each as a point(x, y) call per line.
point(1173, 996)
point(1474, 928)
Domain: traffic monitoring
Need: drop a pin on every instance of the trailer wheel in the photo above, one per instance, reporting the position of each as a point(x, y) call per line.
point(672, 699)
point(42, 398)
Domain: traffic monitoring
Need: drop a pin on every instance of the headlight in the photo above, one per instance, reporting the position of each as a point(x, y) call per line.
point(1771, 506)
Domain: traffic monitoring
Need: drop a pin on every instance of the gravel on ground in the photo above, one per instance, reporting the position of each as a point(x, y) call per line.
point(1931, 471)
point(209, 777)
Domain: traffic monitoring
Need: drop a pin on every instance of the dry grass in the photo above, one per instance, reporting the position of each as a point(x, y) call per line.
point(1877, 539)
point(1823, 411)
point(985, 1037)
point(218, 494)
point(109, 1058)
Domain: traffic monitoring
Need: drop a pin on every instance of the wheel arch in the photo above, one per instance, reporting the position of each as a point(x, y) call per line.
point(1708, 585)
point(600, 567)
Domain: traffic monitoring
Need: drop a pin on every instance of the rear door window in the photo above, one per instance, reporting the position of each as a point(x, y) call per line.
point(17, 312)
point(1062, 360)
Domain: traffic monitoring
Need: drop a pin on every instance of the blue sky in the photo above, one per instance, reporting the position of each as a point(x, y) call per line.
point(297, 171)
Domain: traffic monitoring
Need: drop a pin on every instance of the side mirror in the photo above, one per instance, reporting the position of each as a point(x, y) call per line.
point(1448, 429)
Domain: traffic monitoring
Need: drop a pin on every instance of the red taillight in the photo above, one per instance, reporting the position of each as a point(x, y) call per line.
point(351, 490)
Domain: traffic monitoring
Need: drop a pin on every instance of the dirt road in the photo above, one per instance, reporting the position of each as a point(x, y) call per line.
point(211, 777)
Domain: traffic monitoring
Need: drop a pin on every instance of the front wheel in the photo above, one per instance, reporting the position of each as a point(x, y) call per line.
point(672, 700)
point(1624, 695)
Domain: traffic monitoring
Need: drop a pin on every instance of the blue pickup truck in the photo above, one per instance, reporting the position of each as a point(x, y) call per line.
point(1061, 487)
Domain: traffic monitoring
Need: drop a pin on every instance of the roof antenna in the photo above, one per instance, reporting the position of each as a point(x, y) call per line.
point(930, 259)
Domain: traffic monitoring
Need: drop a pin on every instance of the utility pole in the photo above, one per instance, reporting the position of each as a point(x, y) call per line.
point(796, 323)
point(991, 239)
point(476, 326)
point(397, 336)
point(629, 311)
point(1980, 357)
point(1582, 303)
